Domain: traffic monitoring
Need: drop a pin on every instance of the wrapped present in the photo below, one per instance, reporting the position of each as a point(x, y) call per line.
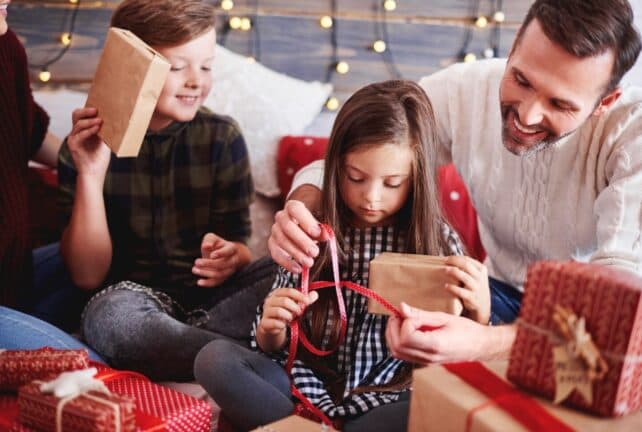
point(579, 337)
point(74, 402)
point(177, 411)
point(23, 366)
point(125, 93)
point(294, 423)
point(476, 397)
point(417, 280)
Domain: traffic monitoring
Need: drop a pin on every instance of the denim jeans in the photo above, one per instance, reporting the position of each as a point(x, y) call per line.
point(134, 327)
point(52, 296)
point(21, 331)
point(505, 301)
point(253, 390)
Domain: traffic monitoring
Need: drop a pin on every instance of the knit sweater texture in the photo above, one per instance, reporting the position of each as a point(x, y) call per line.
point(23, 126)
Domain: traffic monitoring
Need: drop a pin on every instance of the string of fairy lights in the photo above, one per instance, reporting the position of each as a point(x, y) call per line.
point(382, 10)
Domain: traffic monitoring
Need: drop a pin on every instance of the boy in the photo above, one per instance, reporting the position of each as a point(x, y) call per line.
point(166, 229)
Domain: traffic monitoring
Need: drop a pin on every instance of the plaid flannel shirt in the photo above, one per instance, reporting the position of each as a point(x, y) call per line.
point(189, 179)
point(363, 359)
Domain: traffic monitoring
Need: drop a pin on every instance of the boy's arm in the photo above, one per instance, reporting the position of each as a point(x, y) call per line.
point(86, 245)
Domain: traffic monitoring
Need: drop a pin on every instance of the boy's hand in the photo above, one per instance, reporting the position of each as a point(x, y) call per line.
point(281, 307)
point(475, 292)
point(220, 259)
point(91, 155)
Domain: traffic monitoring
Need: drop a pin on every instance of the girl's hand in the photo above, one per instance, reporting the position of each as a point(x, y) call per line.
point(281, 307)
point(475, 292)
point(91, 155)
point(220, 259)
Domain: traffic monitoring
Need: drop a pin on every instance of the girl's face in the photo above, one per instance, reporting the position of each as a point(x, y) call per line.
point(375, 182)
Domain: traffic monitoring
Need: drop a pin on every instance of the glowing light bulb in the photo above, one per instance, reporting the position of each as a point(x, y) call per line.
point(390, 5)
point(227, 5)
point(481, 22)
point(332, 103)
point(470, 57)
point(73, 1)
point(44, 75)
point(343, 67)
point(379, 46)
point(65, 39)
point(246, 24)
point(250, 59)
point(489, 53)
point(499, 17)
point(235, 23)
point(326, 22)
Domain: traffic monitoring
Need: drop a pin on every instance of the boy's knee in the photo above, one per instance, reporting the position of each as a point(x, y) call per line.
point(214, 358)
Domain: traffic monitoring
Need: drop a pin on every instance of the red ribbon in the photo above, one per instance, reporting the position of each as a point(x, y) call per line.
point(296, 335)
point(521, 407)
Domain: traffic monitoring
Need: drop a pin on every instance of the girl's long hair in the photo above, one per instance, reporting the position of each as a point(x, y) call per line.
point(390, 112)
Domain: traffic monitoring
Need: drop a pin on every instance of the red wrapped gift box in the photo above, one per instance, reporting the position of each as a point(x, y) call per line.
point(92, 411)
point(609, 303)
point(23, 366)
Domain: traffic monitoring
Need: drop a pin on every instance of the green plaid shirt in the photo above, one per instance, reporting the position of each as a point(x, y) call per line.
point(189, 179)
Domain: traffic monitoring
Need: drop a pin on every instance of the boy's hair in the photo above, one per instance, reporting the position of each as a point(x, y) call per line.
point(390, 112)
point(586, 28)
point(164, 23)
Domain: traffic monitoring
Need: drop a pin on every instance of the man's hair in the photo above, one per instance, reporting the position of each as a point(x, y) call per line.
point(164, 23)
point(587, 28)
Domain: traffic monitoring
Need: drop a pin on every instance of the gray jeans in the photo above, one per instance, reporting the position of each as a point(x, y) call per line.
point(134, 327)
point(252, 390)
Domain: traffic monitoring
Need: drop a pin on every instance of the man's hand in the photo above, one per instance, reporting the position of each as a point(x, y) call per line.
point(294, 237)
point(453, 339)
point(219, 260)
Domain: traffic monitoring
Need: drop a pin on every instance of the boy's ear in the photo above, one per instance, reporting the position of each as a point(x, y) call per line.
point(607, 101)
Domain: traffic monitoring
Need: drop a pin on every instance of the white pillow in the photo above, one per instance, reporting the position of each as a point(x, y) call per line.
point(267, 105)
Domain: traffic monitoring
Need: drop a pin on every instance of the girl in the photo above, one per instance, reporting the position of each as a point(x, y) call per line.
point(376, 198)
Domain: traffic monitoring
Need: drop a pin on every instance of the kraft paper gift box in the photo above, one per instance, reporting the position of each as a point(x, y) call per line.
point(18, 367)
point(294, 423)
point(441, 401)
point(92, 411)
point(579, 337)
point(418, 280)
point(128, 81)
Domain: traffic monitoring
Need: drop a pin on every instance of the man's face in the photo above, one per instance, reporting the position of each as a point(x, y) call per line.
point(546, 93)
point(4, 4)
point(189, 80)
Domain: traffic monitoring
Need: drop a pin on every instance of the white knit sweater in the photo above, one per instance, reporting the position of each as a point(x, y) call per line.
point(579, 199)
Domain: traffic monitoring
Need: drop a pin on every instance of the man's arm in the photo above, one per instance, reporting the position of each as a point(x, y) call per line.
point(434, 337)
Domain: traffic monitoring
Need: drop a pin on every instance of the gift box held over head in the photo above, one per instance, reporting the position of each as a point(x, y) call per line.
point(418, 280)
point(125, 92)
point(579, 337)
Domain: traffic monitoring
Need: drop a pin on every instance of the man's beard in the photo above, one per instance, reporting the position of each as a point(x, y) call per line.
point(516, 146)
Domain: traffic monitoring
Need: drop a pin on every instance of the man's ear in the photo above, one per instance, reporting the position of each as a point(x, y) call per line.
point(607, 101)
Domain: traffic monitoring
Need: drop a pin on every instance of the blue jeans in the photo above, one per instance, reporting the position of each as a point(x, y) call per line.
point(21, 331)
point(134, 327)
point(253, 390)
point(52, 297)
point(505, 301)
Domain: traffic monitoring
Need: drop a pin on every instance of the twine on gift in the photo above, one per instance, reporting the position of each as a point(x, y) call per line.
point(296, 335)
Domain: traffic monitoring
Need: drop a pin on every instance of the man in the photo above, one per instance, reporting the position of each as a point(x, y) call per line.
point(566, 184)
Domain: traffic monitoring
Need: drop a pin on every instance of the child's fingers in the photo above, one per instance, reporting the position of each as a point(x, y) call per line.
point(467, 264)
point(226, 250)
point(466, 296)
point(462, 276)
point(81, 113)
point(272, 326)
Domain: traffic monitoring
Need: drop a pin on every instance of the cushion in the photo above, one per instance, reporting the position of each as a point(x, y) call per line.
point(267, 105)
point(294, 153)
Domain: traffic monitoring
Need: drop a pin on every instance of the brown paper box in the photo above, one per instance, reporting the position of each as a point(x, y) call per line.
point(294, 423)
point(441, 401)
point(417, 280)
point(128, 81)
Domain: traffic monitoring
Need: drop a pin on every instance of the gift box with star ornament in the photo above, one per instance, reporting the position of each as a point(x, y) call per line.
point(579, 337)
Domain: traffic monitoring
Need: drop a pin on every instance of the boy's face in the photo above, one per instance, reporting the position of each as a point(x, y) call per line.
point(189, 80)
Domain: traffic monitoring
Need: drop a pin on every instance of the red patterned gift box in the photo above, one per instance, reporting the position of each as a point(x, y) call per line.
point(23, 366)
point(92, 411)
point(579, 337)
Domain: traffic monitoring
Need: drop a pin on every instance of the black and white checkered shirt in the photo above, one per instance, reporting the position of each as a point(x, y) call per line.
point(363, 358)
